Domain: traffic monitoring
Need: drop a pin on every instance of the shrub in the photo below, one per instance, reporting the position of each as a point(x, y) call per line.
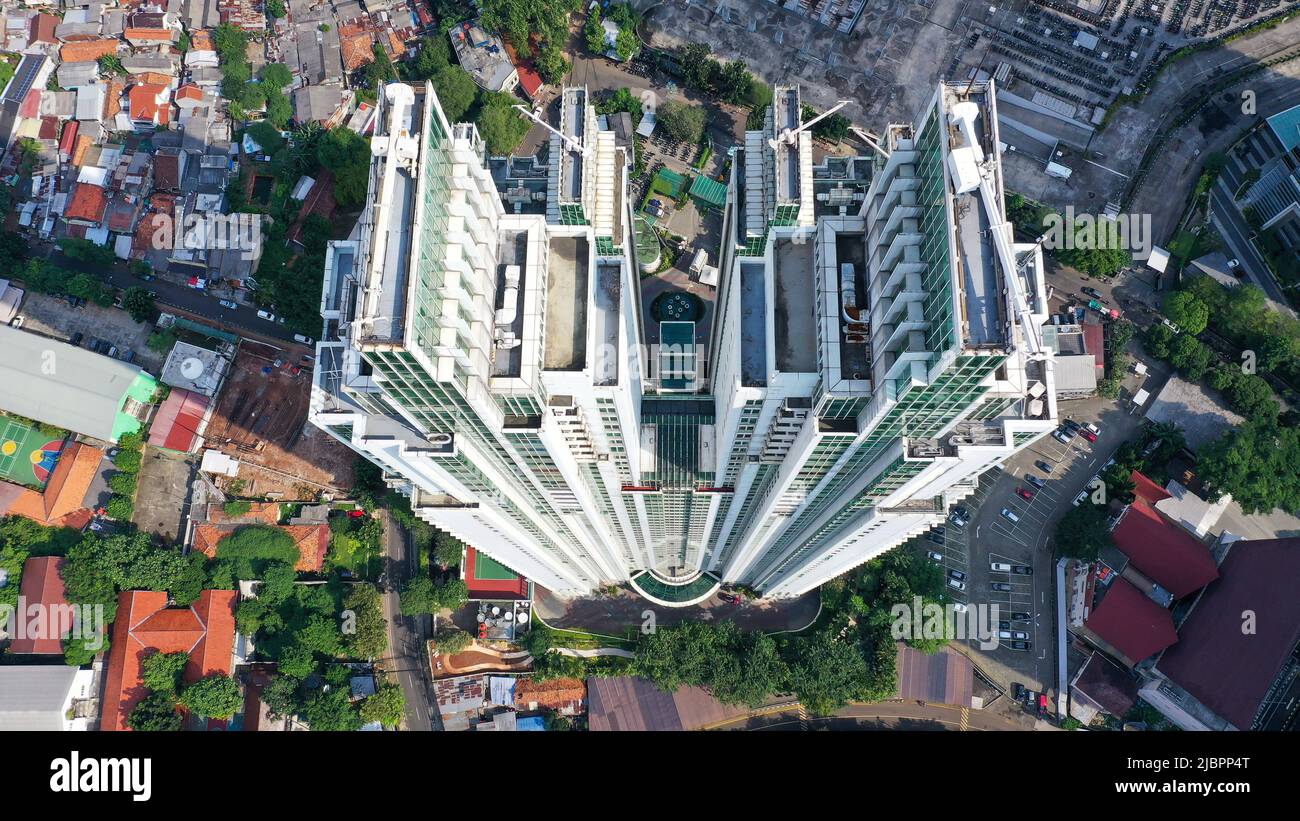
point(120, 508)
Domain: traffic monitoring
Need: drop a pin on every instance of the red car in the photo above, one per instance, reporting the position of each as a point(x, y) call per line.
point(729, 598)
point(1087, 434)
point(1024, 493)
point(1042, 704)
point(356, 514)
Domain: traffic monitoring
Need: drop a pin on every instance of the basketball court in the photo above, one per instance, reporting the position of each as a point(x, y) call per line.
point(27, 456)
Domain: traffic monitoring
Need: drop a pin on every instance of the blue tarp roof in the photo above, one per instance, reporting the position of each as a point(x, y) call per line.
point(533, 724)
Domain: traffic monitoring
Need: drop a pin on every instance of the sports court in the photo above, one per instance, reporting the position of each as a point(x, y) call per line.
point(27, 456)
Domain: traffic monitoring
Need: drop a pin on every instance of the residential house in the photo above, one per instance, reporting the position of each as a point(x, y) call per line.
point(87, 205)
point(327, 105)
point(87, 50)
point(150, 106)
point(212, 524)
point(204, 631)
point(70, 495)
point(46, 698)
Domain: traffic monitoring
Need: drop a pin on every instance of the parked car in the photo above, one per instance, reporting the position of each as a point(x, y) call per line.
point(958, 607)
point(934, 538)
point(1087, 434)
point(934, 556)
point(1025, 493)
point(1062, 436)
point(999, 567)
point(267, 315)
point(1018, 616)
point(228, 303)
point(1035, 481)
point(1019, 635)
point(1044, 467)
point(1021, 645)
point(729, 598)
point(1001, 587)
point(148, 277)
point(76, 339)
point(1005, 635)
point(1009, 515)
point(1092, 427)
point(1078, 500)
point(17, 322)
point(956, 585)
point(1022, 569)
point(957, 574)
point(112, 351)
point(303, 338)
point(1072, 425)
point(1234, 263)
point(1042, 705)
point(1091, 291)
point(960, 516)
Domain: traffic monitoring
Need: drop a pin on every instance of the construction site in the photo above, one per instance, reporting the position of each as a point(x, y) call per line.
point(261, 421)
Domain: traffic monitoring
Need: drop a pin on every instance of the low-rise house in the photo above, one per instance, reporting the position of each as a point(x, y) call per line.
point(42, 587)
point(87, 50)
point(212, 524)
point(327, 105)
point(150, 106)
point(87, 205)
point(46, 698)
point(204, 631)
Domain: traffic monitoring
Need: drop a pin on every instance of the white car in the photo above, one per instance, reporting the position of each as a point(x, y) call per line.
point(306, 340)
point(999, 567)
point(956, 585)
point(938, 557)
point(1078, 500)
point(1009, 516)
point(1234, 263)
point(958, 607)
point(267, 315)
point(1094, 429)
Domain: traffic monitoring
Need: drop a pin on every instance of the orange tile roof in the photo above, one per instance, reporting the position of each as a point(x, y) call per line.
point(189, 92)
point(87, 203)
point(43, 585)
point(89, 50)
point(312, 540)
point(84, 144)
point(162, 35)
point(201, 41)
point(554, 694)
point(113, 99)
point(153, 78)
point(356, 46)
point(396, 48)
point(205, 631)
point(145, 105)
point(62, 501)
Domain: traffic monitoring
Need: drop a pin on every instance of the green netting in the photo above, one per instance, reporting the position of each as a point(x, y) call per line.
point(709, 190)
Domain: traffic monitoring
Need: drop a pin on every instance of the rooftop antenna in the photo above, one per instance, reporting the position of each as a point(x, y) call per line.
point(569, 142)
point(790, 137)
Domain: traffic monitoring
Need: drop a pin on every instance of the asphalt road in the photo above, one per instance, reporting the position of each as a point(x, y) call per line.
point(1230, 224)
point(406, 635)
point(174, 295)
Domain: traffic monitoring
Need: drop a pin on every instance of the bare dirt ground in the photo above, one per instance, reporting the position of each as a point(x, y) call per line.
point(163, 499)
point(262, 421)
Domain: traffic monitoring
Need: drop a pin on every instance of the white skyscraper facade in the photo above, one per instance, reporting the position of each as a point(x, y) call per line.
point(871, 349)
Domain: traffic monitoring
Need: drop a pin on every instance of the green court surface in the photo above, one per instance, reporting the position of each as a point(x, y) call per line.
point(27, 456)
point(488, 568)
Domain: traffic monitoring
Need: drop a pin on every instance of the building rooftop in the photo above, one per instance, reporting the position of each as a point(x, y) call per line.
point(86, 392)
point(604, 319)
point(1132, 623)
point(1201, 414)
point(513, 251)
point(484, 56)
point(1225, 668)
point(565, 347)
point(794, 321)
point(194, 369)
point(32, 697)
point(1164, 552)
point(753, 324)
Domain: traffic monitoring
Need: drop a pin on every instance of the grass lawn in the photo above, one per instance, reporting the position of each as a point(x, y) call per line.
point(350, 553)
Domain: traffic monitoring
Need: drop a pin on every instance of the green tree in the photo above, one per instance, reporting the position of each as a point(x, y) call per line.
point(452, 595)
point(626, 44)
point(139, 303)
point(330, 710)
point(594, 32)
point(213, 696)
point(387, 706)
point(501, 127)
point(1187, 311)
point(347, 154)
point(456, 92)
point(1082, 532)
point(417, 598)
point(156, 713)
point(451, 642)
point(161, 672)
point(281, 696)
point(538, 640)
point(297, 662)
point(78, 652)
point(1256, 464)
point(552, 65)
point(448, 549)
point(368, 636)
point(275, 9)
point(735, 83)
point(826, 672)
point(1191, 356)
point(681, 121)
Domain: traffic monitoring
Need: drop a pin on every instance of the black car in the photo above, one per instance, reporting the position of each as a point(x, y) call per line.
point(1044, 467)
point(1019, 617)
point(1072, 425)
point(1091, 291)
point(957, 574)
point(1004, 625)
point(1017, 691)
point(1021, 645)
point(935, 538)
point(1022, 569)
point(76, 338)
point(1001, 587)
point(1035, 481)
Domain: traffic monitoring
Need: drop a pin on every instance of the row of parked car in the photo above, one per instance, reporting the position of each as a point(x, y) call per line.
point(103, 346)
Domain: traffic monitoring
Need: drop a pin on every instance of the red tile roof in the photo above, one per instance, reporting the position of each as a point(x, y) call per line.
point(1132, 623)
point(565, 694)
point(357, 47)
point(161, 35)
point(205, 631)
point(189, 92)
point(1093, 343)
point(1147, 490)
point(42, 585)
point(1164, 552)
point(312, 540)
point(87, 203)
point(1225, 669)
point(42, 28)
point(150, 104)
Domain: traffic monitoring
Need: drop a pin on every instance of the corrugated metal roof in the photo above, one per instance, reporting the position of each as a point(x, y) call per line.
point(32, 696)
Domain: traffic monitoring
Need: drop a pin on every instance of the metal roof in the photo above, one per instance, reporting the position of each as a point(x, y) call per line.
point(62, 385)
point(32, 696)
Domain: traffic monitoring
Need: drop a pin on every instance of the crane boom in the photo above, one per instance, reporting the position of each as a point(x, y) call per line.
point(569, 142)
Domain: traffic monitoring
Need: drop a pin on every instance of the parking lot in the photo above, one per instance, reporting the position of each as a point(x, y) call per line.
point(55, 318)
